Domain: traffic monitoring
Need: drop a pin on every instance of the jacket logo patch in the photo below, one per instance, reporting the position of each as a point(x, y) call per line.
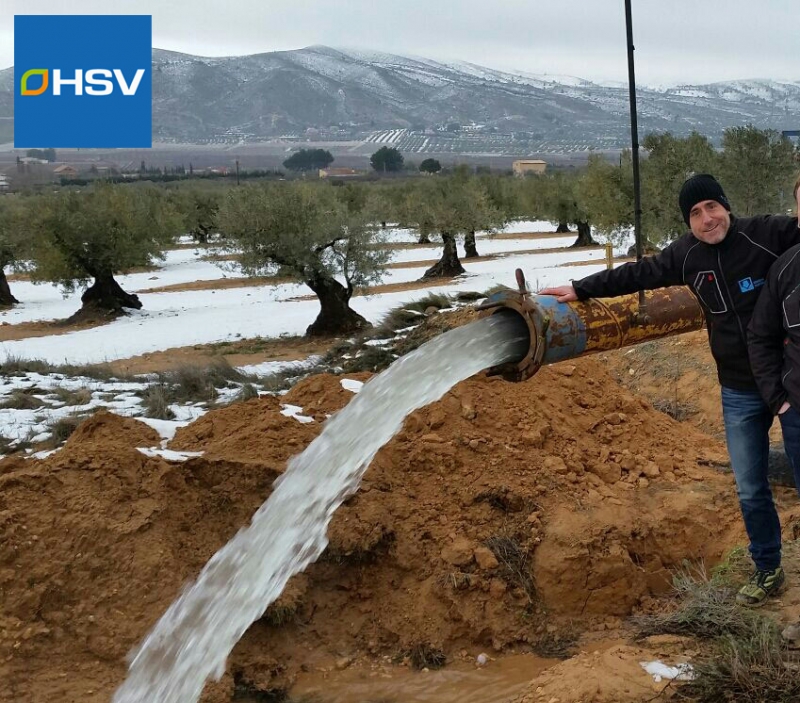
point(706, 287)
point(746, 285)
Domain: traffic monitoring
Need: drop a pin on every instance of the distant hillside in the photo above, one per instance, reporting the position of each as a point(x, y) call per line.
point(423, 106)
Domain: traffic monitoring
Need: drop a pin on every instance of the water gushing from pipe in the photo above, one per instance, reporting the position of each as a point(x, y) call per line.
point(194, 637)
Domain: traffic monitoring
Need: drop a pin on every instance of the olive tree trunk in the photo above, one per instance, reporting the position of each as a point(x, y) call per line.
point(6, 299)
point(448, 265)
point(335, 316)
point(471, 251)
point(106, 295)
point(584, 236)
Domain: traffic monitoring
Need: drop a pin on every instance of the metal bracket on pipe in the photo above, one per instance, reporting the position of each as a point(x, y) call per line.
point(520, 301)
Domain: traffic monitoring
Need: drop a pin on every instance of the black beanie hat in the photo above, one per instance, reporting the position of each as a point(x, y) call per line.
point(698, 188)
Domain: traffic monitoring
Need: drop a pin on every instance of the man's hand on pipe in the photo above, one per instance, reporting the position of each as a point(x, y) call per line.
point(564, 294)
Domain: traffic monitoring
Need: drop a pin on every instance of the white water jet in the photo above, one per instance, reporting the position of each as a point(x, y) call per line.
point(193, 639)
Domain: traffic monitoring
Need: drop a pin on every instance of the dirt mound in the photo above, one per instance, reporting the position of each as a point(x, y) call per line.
point(254, 431)
point(104, 430)
point(502, 514)
point(323, 394)
point(615, 675)
point(677, 375)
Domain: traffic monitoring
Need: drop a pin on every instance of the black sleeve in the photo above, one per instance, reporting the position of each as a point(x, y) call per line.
point(659, 271)
point(765, 336)
point(782, 231)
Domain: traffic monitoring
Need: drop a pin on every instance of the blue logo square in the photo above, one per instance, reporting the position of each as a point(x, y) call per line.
point(83, 81)
point(746, 285)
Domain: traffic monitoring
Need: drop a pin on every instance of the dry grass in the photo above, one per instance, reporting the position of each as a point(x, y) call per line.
point(17, 366)
point(247, 392)
point(746, 669)
point(745, 660)
point(21, 400)
point(426, 656)
point(61, 429)
point(704, 606)
point(458, 580)
point(191, 384)
point(412, 313)
point(80, 396)
point(515, 565)
point(156, 402)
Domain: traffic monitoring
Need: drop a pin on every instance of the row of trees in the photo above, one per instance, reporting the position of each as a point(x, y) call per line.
point(330, 238)
point(756, 167)
point(386, 160)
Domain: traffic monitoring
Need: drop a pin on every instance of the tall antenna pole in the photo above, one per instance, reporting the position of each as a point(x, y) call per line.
point(637, 200)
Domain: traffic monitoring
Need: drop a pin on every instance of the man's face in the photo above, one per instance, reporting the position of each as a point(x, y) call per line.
point(709, 221)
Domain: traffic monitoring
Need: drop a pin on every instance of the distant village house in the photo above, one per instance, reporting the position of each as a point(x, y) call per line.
point(65, 171)
point(339, 173)
point(522, 167)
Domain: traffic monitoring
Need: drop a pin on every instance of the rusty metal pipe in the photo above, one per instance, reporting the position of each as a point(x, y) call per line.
point(559, 331)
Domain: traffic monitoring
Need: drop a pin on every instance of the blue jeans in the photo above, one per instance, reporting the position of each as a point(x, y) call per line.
point(790, 426)
point(747, 421)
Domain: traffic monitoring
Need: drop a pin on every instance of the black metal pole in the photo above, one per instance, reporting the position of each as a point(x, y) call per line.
point(637, 200)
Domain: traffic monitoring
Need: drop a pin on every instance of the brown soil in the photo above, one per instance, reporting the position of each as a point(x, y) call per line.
point(612, 675)
point(240, 353)
point(225, 283)
point(390, 288)
point(501, 516)
point(677, 375)
point(220, 284)
point(50, 328)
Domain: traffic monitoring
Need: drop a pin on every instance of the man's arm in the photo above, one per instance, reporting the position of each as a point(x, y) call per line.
point(782, 231)
point(765, 336)
point(659, 271)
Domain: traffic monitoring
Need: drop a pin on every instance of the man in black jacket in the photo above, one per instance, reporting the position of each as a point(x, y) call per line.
point(774, 337)
point(724, 260)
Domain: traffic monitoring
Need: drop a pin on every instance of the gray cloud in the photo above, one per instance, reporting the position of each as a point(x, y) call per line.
point(677, 41)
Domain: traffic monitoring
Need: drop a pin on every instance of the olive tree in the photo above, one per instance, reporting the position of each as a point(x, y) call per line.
point(449, 207)
point(757, 170)
point(317, 233)
point(606, 191)
point(558, 197)
point(97, 233)
point(198, 206)
point(15, 240)
point(670, 161)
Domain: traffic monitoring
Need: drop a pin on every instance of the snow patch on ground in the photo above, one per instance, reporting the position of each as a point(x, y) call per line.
point(659, 671)
point(168, 454)
point(351, 385)
point(296, 412)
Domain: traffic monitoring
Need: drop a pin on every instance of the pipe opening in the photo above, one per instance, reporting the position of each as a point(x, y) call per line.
point(515, 329)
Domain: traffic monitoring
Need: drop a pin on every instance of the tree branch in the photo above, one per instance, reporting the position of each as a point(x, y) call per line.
point(322, 247)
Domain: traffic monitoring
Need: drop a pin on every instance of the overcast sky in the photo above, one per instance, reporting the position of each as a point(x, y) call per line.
point(677, 41)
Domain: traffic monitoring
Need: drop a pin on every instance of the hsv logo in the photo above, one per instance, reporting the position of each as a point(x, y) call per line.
point(92, 82)
point(82, 81)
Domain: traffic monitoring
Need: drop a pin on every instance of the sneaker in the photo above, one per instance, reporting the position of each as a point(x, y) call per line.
point(761, 586)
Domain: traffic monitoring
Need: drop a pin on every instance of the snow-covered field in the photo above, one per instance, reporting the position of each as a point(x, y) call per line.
point(37, 402)
point(183, 318)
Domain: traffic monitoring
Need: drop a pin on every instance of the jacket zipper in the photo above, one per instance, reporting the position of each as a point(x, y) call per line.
point(730, 297)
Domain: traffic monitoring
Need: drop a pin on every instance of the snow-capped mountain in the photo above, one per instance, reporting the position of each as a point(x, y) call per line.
point(348, 94)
